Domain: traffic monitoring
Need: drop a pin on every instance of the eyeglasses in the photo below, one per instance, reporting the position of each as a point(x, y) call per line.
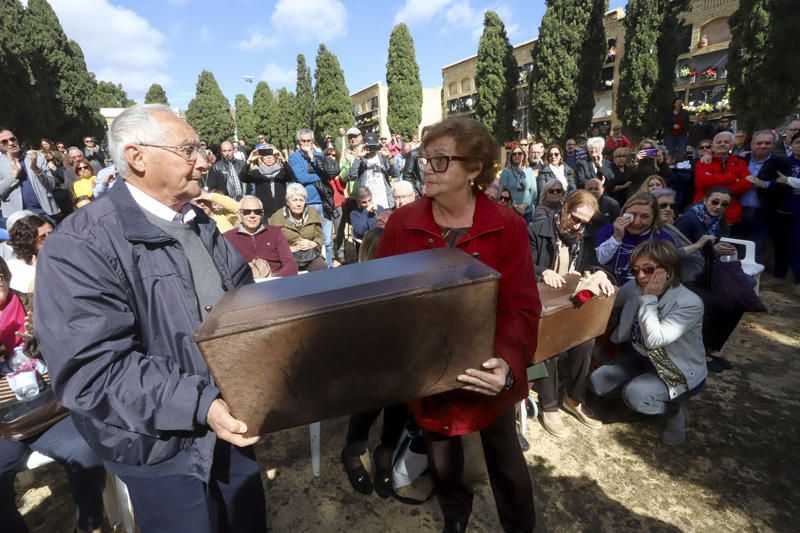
point(646, 270)
point(716, 202)
point(704, 147)
point(245, 212)
point(576, 221)
point(439, 163)
point(6, 142)
point(666, 205)
point(555, 191)
point(554, 154)
point(515, 154)
point(84, 168)
point(304, 141)
point(505, 199)
point(523, 145)
point(187, 151)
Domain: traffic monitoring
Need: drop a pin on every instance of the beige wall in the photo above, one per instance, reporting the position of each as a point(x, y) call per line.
point(376, 119)
point(431, 107)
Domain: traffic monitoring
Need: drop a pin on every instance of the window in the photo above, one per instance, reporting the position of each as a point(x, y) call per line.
point(466, 86)
point(716, 31)
point(452, 89)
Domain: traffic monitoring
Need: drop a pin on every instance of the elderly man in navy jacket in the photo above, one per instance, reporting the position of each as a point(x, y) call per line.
point(121, 287)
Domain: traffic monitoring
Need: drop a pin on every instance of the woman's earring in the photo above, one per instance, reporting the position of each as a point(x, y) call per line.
point(471, 183)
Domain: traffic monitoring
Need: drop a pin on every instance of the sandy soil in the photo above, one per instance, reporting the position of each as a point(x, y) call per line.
point(737, 471)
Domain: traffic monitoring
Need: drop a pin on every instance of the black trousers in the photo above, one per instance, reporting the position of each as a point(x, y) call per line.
point(394, 418)
point(508, 475)
point(231, 502)
point(85, 471)
point(579, 360)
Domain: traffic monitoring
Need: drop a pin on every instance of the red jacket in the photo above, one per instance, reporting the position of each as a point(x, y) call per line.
point(269, 244)
point(498, 237)
point(733, 177)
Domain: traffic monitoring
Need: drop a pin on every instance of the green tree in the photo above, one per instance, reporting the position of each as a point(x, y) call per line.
point(762, 70)
point(246, 123)
point(112, 95)
point(495, 78)
point(304, 95)
point(591, 58)
point(639, 68)
point(22, 108)
point(334, 109)
point(156, 95)
point(552, 83)
point(287, 119)
point(209, 111)
point(265, 110)
point(404, 97)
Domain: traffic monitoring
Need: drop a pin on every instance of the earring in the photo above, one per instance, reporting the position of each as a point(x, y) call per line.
point(471, 183)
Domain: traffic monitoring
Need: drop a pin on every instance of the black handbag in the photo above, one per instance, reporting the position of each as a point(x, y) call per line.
point(728, 278)
point(20, 420)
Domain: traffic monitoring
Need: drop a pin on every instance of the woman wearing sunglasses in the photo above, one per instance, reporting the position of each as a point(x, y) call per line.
point(521, 182)
point(662, 359)
point(457, 158)
point(84, 185)
point(551, 196)
point(721, 169)
point(555, 169)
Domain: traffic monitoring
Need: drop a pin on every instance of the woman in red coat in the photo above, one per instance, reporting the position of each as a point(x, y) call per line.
point(721, 169)
point(457, 156)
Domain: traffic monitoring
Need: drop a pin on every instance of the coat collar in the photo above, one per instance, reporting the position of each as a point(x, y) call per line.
point(485, 219)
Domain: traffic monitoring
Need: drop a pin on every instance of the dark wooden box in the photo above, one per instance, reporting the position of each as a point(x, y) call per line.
point(563, 324)
point(329, 343)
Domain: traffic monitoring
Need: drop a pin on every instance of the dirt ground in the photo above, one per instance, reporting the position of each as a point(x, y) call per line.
point(737, 470)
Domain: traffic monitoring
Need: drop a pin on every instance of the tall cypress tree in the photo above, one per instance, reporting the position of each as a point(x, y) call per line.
point(110, 94)
point(209, 111)
point(495, 77)
point(287, 122)
point(265, 110)
point(591, 57)
point(404, 112)
point(23, 109)
point(304, 96)
point(552, 83)
point(334, 109)
point(639, 68)
point(156, 95)
point(245, 120)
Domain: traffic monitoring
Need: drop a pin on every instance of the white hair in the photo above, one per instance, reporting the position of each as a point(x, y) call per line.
point(595, 140)
point(401, 187)
point(724, 133)
point(137, 124)
point(14, 217)
point(295, 189)
point(303, 131)
point(251, 197)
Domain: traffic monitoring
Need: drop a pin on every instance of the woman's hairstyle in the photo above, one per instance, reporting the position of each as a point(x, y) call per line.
point(76, 164)
point(23, 235)
point(644, 141)
point(645, 198)
point(664, 255)
point(472, 139)
point(547, 186)
point(644, 187)
point(4, 270)
point(295, 189)
point(718, 190)
point(369, 244)
point(794, 137)
point(595, 140)
point(46, 140)
point(363, 193)
point(581, 197)
point(622, 150)
point(550, 147)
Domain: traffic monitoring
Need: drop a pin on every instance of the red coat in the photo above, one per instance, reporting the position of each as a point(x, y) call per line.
point(268, 244)
point(498, 237)
point(734, 177)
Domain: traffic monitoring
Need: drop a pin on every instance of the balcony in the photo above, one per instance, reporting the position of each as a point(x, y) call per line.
point(465, 104)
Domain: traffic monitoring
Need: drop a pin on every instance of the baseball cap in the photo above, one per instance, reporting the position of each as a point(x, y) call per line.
point(354, 131)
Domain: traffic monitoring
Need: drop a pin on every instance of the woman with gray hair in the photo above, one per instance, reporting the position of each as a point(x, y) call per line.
point(302, 227)
point(267, 169)
point(595, 166)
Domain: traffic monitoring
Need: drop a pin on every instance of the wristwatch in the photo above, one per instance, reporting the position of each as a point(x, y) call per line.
point(509, 380)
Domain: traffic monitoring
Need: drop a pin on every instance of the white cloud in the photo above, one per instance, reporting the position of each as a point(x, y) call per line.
point(455, 16)
point(257, 42)
point(320, 20)
point(277, 76)
point(124, 49)
point(414, 11)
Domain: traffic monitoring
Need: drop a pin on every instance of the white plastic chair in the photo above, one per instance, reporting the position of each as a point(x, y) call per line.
point(749, 265)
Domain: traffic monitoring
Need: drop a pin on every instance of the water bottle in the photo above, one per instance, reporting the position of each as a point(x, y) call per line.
point(23, 381)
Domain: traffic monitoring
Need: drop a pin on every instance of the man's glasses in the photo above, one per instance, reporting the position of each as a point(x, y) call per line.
point(704, 147)
point(716, 203)
point(439, 163)
point(187, 151)
point(304, 141)
point(666, 205)
point(6, 142)
point(646, 270)
point(245, 212)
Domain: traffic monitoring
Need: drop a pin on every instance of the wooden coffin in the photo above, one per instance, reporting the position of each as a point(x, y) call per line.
point(564, 324)
point(329, 343)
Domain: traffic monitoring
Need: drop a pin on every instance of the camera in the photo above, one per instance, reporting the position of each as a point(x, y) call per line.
point(265, 151)
point(371, 143)
point(650, 152)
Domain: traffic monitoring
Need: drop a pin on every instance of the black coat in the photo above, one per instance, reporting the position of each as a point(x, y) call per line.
point(774, 195)
point(546, 175)
point(586, 170)
point(218, 177)
point(542, 239)
point(411, 171)
point(271, 192)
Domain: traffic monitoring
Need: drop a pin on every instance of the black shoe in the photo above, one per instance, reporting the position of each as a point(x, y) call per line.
point(718, 364)
point(454, 525)
point(356, 473)
point(382, 458)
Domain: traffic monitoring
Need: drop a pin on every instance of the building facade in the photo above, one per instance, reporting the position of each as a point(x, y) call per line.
point(700, 72)
point(370, 107)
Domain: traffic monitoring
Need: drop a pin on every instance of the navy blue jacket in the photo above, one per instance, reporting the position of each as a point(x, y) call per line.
point(115, 312)
point(362, 222)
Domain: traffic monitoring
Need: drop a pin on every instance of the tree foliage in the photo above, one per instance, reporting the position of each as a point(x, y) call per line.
point(334, 109)
point(156, 95)
point(762, 70)
point(495, 78)
point(245, 120)
point(286, 125)
point(209, 111)
point(110, 94)
point(304, 95)
point(639, 68)
point(265, 110)
point(592, 52)
point(404, 112)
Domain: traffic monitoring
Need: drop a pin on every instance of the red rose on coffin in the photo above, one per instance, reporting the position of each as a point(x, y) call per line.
point(583, 296)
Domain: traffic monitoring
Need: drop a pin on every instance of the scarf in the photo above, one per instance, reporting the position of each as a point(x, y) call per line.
point(711, 223)
point(12, 320)
point(269, 172)
point(572, 241)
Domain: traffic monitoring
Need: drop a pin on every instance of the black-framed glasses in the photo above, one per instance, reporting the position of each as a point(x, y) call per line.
point(245, 212)
point(504, 199)
point(575, 220)
point(187, 151)
point(555, 191)
point(84, 168)
point(554, 154)
point(517, 153)
point(439, 163)
point(646, 270)
point(6, 142)
point(716, 203)
point(704, 147)
point(665, 205)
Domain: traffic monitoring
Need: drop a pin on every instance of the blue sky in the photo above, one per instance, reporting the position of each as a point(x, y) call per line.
point(169, 42)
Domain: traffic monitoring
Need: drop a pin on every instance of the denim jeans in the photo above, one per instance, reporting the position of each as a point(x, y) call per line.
point(676, 145)
point(327, 232)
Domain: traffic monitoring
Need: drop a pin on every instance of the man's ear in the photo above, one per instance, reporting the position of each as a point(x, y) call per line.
point(134, 155)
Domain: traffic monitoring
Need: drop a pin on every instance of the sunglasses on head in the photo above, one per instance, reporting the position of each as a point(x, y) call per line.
point(716, 202)
point(665, 205)
point(646, 270)
point(246, 212)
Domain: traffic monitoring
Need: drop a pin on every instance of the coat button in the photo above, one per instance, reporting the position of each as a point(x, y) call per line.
point(430, 241)
point(446, 428)
point(207, 308)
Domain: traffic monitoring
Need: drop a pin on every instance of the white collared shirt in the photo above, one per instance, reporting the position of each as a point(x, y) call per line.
point(157, 209)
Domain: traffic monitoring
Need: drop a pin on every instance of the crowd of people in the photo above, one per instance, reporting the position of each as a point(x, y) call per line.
point(137, 271)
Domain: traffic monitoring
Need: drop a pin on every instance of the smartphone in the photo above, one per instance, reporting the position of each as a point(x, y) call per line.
point(627, 216)
point(650, 152)
point(265, 151)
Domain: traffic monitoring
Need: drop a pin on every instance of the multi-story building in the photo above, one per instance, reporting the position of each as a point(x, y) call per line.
point(700, 73)
point(370, 107)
